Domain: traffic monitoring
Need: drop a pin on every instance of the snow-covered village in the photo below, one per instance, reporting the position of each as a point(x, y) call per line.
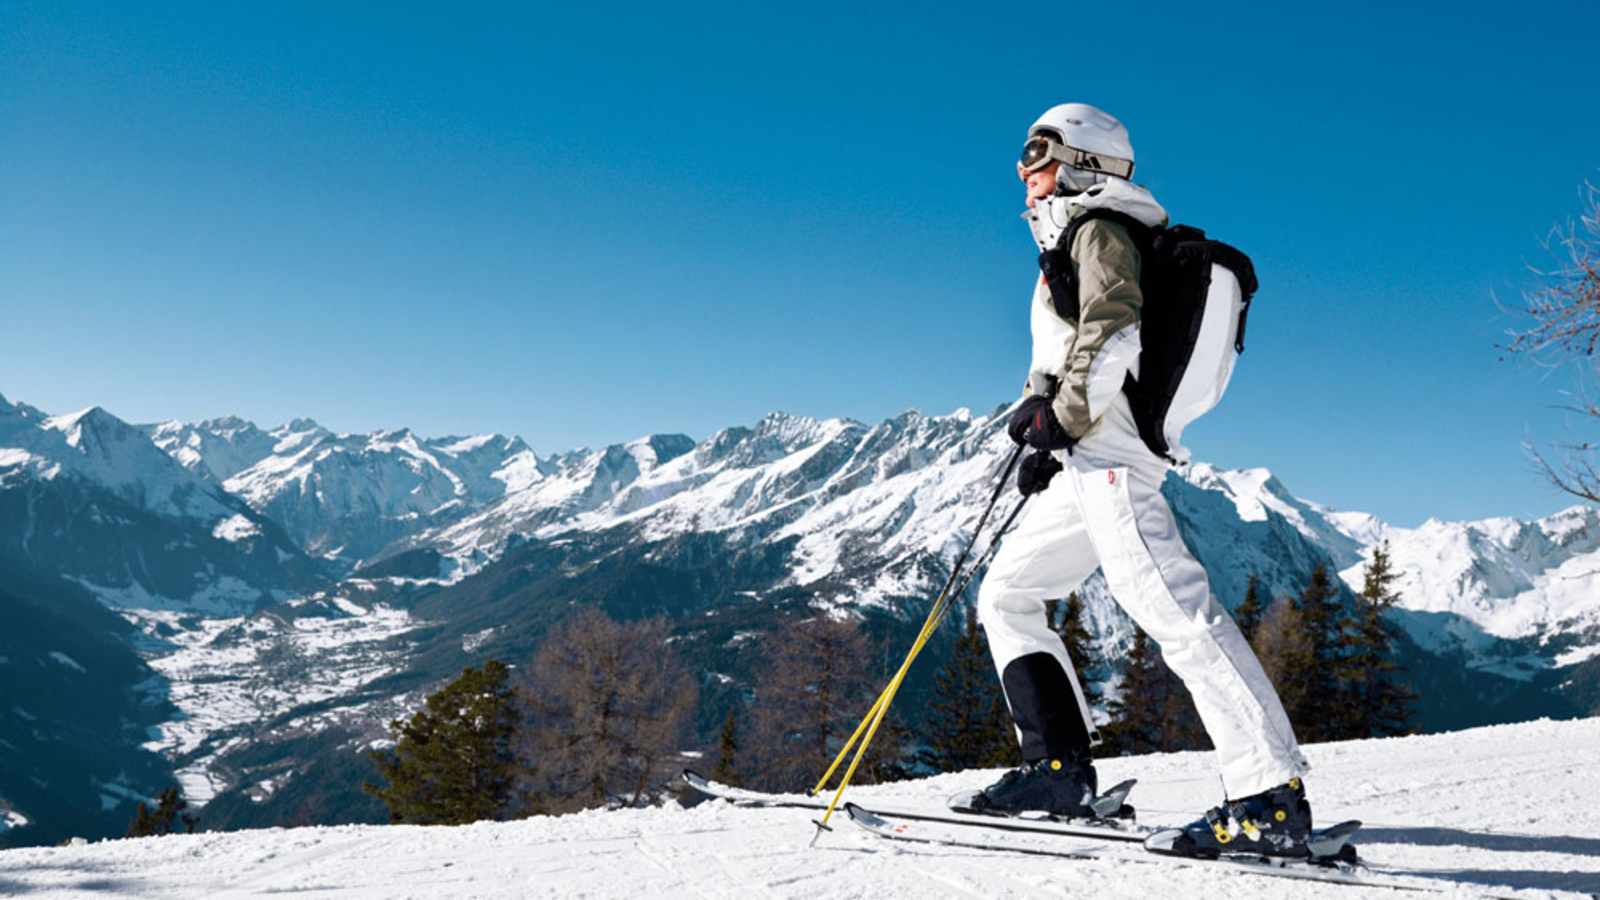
point(511, 451)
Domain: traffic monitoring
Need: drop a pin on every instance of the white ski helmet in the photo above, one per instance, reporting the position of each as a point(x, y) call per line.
point(1092, 144)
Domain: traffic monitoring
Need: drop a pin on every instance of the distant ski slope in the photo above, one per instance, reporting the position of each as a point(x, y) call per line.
point(1508, 809)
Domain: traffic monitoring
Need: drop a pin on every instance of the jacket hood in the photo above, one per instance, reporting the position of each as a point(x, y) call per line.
point(1120, 196)
point(1049, 218)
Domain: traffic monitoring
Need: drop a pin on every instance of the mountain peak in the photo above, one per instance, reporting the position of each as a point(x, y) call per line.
point(392, 436)
point(658, 449)
point(9, 410)
point(1239, 483)
point(21, 413)
point(456, 445)
point(227, 424)
point(92, 420)
point(68, 420)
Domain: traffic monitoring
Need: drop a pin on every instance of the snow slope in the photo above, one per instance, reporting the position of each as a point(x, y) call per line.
point(1507, 810)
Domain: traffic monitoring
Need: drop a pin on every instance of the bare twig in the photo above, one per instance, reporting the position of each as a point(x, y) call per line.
point(1565, 307)
point(1563, 325)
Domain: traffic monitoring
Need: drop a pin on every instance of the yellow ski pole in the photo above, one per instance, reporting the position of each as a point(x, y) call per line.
point(888, 692)
point(929, 625)
point(893, 687)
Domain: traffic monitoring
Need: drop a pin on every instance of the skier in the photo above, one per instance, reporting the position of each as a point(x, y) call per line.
point(1099, 504)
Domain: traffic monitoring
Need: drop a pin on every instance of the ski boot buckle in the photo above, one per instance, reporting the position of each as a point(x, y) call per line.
point(1239, 813)
point(1219, 825)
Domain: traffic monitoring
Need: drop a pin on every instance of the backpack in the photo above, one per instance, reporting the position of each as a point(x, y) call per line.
point(1197, 295)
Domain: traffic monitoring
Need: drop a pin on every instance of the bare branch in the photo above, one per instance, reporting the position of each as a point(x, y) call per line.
point(1562, 316)
point(1564, 308)
point(1575, 475)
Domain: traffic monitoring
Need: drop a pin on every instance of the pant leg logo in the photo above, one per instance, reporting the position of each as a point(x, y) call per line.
point(1111, 476)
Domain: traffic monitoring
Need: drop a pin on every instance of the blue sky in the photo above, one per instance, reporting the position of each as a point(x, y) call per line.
point(587, 223)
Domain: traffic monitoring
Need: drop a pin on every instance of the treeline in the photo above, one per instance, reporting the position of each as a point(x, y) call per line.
point(599, 717)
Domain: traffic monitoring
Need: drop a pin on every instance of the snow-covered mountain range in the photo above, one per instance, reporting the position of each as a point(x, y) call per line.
point(292, 588)
point(90, 498)
point(1535, 581)
point(98, 448)
point(346, 497)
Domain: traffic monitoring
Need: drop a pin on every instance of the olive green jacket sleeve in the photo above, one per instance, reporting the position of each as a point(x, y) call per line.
point(1105, 343)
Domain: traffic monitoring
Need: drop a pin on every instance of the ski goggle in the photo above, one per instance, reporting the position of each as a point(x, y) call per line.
point(1042, 149)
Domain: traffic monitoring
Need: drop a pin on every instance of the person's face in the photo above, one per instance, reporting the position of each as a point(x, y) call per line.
point(1040, 182)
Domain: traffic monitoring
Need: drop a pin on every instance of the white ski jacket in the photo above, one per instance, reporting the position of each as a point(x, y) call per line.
point(1091, 356)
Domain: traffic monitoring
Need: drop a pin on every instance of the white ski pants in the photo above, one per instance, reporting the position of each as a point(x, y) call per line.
point(1109, 515)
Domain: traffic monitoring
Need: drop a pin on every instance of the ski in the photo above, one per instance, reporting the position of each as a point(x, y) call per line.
point(1129, 834)
point(895, 828)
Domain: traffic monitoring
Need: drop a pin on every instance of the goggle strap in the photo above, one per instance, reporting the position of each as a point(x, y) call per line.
point(1080, 159)
point(1094, 162)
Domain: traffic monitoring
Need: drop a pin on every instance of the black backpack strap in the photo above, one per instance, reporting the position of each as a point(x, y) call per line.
point(1139, 231)
point(1061, 276)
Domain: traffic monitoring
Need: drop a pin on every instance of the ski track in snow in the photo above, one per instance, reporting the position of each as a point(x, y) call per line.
point(1508, 810)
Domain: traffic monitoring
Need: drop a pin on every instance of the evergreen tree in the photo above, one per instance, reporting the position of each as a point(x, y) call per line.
point(1135, 715)
point(728, 751)
point(1324, 714)
point(143, 824)
point(168, 813)
point(968, 725)
point(452, 761)
point(1379, 704)
point(1248, 616)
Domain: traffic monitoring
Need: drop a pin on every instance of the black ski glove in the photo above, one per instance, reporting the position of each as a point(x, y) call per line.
point(1022, 417)
point(1035, 424)
point(1036, 471)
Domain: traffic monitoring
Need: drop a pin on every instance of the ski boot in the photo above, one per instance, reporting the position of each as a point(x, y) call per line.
point(1275, 822)
point(1059, 788)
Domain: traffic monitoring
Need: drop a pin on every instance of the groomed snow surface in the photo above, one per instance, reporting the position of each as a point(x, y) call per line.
point(1510, 810)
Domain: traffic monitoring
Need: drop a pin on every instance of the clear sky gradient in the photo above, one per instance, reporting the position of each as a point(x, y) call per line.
point(587, 222)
